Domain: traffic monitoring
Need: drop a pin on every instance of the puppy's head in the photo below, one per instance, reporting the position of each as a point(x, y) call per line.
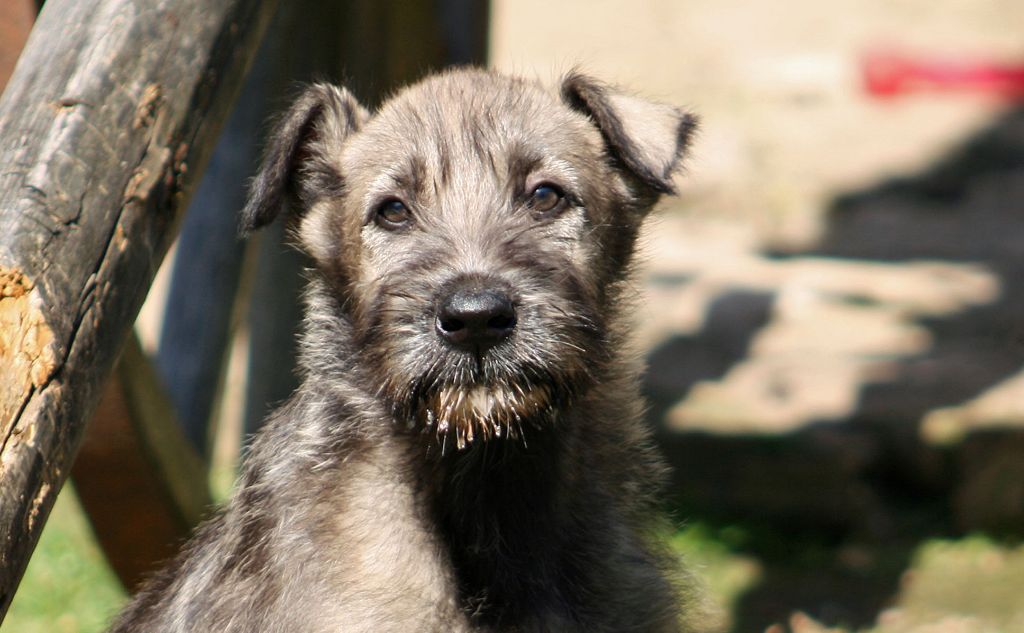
point(475, 230)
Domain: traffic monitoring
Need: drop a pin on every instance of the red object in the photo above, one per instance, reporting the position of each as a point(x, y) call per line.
point(889, 74)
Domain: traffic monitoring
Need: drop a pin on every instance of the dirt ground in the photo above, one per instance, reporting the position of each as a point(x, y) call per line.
point(832, 307)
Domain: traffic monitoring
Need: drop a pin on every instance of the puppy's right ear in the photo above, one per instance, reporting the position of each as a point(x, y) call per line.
point(300, 161)
point(648, 138)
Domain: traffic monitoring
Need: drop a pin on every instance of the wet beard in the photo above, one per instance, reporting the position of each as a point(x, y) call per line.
point(456, 415)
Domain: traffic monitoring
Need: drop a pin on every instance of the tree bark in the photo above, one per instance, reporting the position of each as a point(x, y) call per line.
point(109, 117)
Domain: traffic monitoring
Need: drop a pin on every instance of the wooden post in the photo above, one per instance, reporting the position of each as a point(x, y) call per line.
point(109, 117)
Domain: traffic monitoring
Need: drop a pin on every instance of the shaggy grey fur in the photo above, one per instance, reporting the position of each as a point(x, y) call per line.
point(416, 484)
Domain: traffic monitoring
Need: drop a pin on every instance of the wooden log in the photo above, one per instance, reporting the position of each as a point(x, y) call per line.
point(110, 115)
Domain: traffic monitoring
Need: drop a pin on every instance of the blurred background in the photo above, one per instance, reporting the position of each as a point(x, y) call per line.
point(833, 307)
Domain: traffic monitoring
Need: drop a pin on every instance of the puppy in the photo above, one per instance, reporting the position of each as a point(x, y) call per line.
point(466, 451)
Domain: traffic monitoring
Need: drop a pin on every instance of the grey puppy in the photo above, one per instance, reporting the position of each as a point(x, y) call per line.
point(466, 451)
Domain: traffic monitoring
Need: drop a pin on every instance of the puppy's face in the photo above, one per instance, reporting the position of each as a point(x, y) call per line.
point(475, 227)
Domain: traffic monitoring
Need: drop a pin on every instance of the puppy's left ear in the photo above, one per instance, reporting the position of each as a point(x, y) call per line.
point(648, 138)
point(299, 164)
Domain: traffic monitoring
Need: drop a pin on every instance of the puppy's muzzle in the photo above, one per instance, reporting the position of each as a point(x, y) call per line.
point(475, 318)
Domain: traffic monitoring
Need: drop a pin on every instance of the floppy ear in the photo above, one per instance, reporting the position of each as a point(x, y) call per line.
point(299, 163)
point(648, 138)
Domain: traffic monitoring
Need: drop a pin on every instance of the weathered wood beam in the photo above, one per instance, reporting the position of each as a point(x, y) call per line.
point(109, 117)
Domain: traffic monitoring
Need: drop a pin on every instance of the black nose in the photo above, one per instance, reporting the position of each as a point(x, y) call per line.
point(475, 319)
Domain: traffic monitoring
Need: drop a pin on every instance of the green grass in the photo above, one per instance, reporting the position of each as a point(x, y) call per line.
point(68, 587)
point(708, 553)
point(725, 575)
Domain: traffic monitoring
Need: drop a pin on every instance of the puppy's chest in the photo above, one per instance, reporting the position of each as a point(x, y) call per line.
point(471, 545)
point(380, 556)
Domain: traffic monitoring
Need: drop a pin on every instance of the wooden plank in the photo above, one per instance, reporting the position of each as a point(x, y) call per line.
point(110, 115)
point(140, 481)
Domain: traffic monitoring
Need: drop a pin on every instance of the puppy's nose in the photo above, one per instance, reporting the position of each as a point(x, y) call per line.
point(474, 319)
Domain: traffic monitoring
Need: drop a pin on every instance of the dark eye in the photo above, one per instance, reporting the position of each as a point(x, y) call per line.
point(393, 214)
point(546, 199)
